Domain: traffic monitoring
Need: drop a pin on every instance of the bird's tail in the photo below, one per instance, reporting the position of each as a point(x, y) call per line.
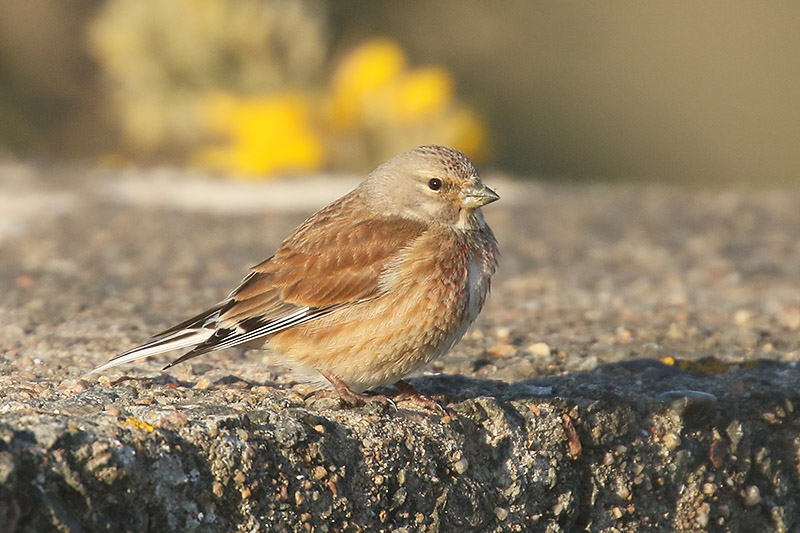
point(184, 338)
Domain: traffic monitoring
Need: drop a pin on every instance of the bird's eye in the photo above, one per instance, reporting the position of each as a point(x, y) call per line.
point(435, 184)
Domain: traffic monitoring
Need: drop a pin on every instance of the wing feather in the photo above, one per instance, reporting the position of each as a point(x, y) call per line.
point(327, 263)
point(310, 275)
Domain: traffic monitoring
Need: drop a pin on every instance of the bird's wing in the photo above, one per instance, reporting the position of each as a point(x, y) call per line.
point(321, 267)
point(325, 264)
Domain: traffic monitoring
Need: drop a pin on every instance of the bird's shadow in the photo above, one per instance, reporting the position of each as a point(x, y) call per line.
point(637, 382)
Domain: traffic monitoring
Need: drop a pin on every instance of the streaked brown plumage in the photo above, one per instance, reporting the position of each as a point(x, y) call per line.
point(369, 288)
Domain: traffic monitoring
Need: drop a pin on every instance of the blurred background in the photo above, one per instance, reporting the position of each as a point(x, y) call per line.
point(700, 92)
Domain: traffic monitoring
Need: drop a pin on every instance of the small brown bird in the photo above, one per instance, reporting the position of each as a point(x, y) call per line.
point(368, 289)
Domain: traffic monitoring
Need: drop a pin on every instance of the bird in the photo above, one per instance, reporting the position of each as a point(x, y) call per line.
point(368, 289)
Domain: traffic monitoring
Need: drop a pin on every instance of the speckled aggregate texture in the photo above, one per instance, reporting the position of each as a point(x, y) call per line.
point(633, 370)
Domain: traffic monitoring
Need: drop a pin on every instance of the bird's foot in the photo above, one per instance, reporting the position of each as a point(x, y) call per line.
point(147, 382)
point(352, 398)
point(407, 391)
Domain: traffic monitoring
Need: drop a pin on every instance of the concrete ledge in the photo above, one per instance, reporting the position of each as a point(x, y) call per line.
point(660, 449)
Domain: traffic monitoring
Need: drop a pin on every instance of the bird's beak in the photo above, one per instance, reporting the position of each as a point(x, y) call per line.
point(479, 195)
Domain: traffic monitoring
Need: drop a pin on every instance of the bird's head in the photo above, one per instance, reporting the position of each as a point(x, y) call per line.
point(435, 184)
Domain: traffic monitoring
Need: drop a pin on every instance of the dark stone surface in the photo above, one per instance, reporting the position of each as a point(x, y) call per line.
point(634, 370)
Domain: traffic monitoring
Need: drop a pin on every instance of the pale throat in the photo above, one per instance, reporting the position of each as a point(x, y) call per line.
point(470, 219)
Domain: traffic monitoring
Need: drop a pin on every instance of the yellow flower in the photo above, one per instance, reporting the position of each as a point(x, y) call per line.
point(421, 94)
point(160, 57)
point(363, 74)
point(265, 135)
point(379, 106)
point(464, 130)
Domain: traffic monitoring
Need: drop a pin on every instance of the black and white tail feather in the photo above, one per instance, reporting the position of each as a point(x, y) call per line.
point(203, 333)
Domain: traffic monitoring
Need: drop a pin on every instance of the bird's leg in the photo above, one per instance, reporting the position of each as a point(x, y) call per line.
point(348, 395)
point(407, 391)
point(144, 381)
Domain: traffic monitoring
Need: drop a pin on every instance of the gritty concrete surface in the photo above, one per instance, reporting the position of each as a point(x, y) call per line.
point(634, 370)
